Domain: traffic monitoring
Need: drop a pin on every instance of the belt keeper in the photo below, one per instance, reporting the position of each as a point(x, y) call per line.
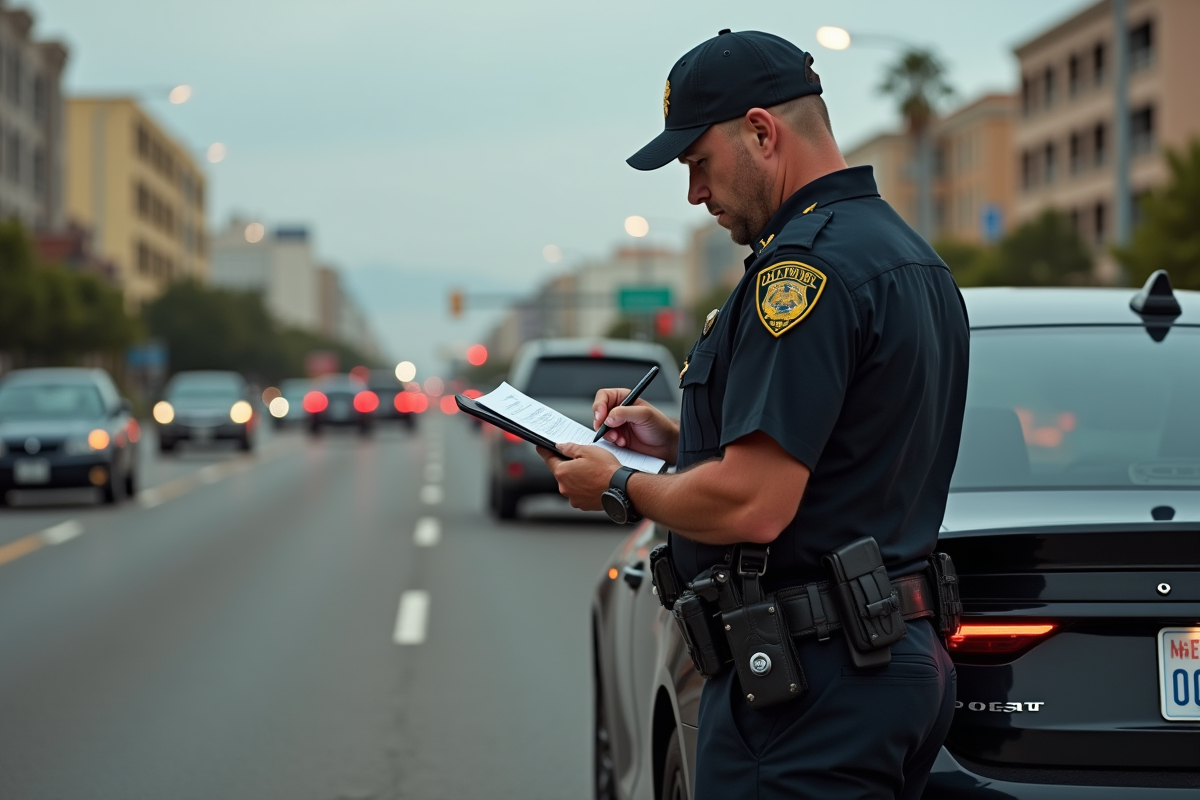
point(818, 612)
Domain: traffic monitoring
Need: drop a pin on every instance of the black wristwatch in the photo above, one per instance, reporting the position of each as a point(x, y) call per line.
point(616, 500)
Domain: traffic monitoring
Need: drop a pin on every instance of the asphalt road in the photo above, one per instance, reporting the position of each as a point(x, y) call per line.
point(324, 619)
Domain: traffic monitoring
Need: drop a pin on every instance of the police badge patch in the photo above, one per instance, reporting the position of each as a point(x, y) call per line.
point(785, 293)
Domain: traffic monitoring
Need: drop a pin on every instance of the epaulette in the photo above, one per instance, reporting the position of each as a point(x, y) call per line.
point(800, 232)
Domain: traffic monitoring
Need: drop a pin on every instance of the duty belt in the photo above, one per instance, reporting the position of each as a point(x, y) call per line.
point(810, 609)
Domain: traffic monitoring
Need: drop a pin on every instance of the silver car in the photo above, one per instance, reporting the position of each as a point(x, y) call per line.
point(565, 374)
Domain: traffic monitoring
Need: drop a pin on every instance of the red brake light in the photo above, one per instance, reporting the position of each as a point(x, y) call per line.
point(512, 437)
point(135, 430)
point(448, 405)
point(998, 637)
point(366, 401)
point(515, 469)
point(404, 402)
point(420, 403)
point(315, 402)
point(474, 394)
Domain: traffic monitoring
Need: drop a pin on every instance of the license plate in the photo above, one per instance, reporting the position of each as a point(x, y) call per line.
point(339, 409)
point(31, 470)
point(202, 434)
point(1179, 673)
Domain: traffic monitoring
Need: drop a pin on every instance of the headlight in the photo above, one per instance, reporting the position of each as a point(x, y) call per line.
point(279, 407)
point(163, 412)
point(98, 439)
point(241, 412)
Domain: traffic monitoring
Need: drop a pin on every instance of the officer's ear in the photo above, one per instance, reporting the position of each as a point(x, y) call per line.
point(765, 128)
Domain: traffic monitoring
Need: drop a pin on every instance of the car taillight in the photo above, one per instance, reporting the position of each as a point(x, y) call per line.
point(420, 403)
point(512, 437)
point(134, 430)
point(449, 406)
point(998, 637)
point(315, 402)
point(515, 469)
point(404, 402)
point(366, 401)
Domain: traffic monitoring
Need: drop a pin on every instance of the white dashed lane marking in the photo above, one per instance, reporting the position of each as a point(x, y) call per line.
point(428, 532)
point(434, 473)
point(431, 494)
point(412, 619)
point(62, 532)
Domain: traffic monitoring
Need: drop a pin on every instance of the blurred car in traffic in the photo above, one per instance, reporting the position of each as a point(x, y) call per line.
point(66, 428)
point(204, 406)
point(291, 410)
point(1074, 523)
point(565, 374)
point(388, 388)
point(340, 400)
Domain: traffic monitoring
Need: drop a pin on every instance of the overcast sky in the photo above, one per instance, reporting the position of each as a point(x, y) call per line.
point(436, 144)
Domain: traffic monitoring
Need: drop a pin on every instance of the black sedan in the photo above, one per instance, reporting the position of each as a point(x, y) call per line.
point(1074, 522)
point(204, 406)
point(62, 428)
point(340, 400)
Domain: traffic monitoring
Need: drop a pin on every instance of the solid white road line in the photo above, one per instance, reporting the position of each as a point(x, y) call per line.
point(428, 532)
point(62, 532)
point(431, 494)
point(434, 473)
point(413, 617)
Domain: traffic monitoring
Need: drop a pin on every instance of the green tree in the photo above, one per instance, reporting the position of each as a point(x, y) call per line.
point(1045, 251)
point(1169, 234)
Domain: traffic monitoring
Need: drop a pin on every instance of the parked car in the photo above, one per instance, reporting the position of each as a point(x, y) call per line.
point(1074, 523)
point(204, 406)
point(565, 374)
point(340, 400)
point(387, 388)
point(66, 428)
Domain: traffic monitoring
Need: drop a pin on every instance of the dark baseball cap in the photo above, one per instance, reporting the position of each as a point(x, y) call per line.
point(721, 79)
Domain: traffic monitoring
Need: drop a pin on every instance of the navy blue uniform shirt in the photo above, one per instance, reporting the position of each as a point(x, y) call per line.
point(846, 342)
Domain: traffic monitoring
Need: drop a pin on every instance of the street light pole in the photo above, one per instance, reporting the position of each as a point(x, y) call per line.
point(1123, 205)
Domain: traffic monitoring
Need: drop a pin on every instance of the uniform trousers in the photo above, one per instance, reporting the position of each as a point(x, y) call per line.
point(863, 734)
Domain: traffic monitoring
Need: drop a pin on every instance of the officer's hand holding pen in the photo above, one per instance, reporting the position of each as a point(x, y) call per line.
point(640, 426)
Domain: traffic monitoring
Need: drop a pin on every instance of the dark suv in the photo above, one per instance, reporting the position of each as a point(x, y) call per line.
point(1074, 522)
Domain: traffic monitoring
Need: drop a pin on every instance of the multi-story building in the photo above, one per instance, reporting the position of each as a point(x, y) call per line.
point(140, 193)
point(31, 124)
point(279, 264)
point(713, 259)
point(1065, 135)
point(339, 317)
point(973, 183)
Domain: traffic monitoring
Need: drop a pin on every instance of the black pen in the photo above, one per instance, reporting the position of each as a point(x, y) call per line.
point(630, 399)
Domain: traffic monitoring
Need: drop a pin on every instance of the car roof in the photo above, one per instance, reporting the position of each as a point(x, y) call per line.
point(207, 374)
point(598, 348)
point(1009, 307)
point(55, 375)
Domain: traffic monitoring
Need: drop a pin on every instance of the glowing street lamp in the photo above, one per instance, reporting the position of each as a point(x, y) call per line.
point(406, 371)
point(636, 226)
point(216, 153)
point(833, 37)
point(180, 94)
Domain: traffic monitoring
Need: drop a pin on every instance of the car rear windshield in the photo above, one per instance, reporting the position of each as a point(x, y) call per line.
point(205, 387)
point(50, 401)
point(581, 378)
point(1069, 407)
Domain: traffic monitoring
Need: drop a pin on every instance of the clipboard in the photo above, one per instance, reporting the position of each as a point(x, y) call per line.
point(469, 406)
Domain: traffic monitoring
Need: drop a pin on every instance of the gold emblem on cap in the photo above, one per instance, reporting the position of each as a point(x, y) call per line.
point(666, 101)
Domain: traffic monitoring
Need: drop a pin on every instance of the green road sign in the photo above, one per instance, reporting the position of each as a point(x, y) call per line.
point(643, 298)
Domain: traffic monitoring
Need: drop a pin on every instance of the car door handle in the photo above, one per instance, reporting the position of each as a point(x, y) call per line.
point(635, 574)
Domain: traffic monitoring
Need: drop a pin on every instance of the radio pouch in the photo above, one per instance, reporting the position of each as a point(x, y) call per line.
point(867, 604)
point(709, 652)
point(947, 601)
point(662, 575)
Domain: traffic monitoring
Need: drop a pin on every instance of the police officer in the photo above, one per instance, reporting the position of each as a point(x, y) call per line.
point(822, 403)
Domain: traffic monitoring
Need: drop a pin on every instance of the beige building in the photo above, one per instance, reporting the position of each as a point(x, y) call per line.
point(139, 191)
point(973, 184)
point(31, 124)
point(1064, 140)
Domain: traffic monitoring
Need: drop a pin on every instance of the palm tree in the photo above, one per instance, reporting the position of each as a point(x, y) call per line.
point(917, 82)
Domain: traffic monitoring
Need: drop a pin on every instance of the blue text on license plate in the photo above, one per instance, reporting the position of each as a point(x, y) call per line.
point(1179, 673)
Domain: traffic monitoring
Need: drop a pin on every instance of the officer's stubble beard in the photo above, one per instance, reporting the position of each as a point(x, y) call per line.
point(748, 206)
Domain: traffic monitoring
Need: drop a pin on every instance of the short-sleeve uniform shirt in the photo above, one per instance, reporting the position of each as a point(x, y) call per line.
point(846, 342)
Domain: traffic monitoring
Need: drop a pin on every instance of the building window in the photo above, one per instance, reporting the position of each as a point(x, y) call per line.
point(1075, 153)
point(39, 173)
point(1073, 75)
point(143, 142)
point(12, 157)
point(1026, 96)
point(1026, 170)
point(1099, 144)
point(13, 78)
point(1141, 46)
point(143, 258)
point(1141, 130)
point(1099, 65)
point(39, 99)
point(1048, 162)
point(1048, 81)
point(1100, 221)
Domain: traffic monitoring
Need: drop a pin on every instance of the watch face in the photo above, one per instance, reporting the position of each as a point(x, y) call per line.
point(614, 507)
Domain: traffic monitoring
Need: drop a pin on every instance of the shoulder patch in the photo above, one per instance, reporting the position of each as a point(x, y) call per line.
point(785, 293)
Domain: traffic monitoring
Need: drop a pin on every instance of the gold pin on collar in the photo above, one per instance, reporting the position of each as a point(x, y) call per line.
point(710, 320)
point(682, 372)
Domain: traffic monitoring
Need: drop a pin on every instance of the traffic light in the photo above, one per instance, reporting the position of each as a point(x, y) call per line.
point(456, 303)
point(664, 322)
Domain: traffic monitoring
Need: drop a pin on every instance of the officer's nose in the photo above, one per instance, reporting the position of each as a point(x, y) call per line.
point(698, 192)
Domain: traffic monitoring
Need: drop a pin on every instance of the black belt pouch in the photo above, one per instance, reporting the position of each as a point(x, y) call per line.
point(867, 603)
point(767, 666)
point(662, 575)
point(709, 653)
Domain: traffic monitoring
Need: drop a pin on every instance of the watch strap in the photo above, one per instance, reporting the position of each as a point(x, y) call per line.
point(620, 478)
